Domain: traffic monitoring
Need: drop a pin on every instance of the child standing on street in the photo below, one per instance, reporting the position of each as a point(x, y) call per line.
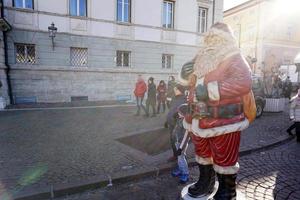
point(178, 135)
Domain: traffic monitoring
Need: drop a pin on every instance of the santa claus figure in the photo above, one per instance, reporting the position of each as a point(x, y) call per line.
point(222, 105)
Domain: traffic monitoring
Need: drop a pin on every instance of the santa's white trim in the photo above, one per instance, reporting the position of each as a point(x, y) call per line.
point(213, 91)
point(227, 170)
point(216, 131)
point(187, 126)
point(203, 161)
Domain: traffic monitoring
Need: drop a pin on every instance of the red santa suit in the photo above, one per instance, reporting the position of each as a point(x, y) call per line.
point(223, 71)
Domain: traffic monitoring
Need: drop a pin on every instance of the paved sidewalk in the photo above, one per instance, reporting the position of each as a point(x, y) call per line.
point(53, 149)
point(266, 175)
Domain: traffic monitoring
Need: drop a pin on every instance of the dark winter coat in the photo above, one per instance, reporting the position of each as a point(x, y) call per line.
point(173, 112)
point(151, 92)
point(287, 88)
point(161, 92)
point(170, 91)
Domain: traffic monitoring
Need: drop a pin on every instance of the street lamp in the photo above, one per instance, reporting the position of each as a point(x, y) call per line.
point(52, 33)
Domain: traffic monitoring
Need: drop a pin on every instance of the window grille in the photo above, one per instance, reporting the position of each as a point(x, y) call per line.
point(25, 53)
point(123, 58)
point(167, 61)
point(79, 57)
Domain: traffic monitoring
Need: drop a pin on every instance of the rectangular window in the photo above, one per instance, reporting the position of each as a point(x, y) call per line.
point(78, 8)
point(202, 20)
point(25, 53)
point(167, 61)
point(123, 58)
point(168, 14)
point(79, 57)
point(124, 11)
point(23, 4)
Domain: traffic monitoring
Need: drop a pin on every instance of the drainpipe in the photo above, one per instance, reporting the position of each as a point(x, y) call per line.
point(7, 70)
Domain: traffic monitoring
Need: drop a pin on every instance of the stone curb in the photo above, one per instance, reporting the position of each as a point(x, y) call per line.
point(67, 107)
point(100, 182)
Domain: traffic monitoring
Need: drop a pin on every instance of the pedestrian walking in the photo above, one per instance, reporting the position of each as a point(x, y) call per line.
point(161, 96)
point(287, 88)
point(139, 92)
point(277, 89)
point(295, 115)
point(151, 99)
point(179, 137)
point(170, 90)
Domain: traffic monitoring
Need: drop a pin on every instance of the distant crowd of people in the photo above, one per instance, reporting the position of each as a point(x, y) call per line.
point(173, 96)
point(157, 97)
point(282, 88)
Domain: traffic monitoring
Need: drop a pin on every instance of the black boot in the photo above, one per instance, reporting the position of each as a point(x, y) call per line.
point(227, 187)
point(206, 182)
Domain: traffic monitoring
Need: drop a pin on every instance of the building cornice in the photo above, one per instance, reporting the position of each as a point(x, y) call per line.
point(89, 69)
point(242, 7)
point(115, 38)
point(98, 20)
point(281, 44)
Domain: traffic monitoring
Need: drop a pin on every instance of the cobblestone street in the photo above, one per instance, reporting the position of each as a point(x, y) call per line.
point(44, 149)
point(273, 174)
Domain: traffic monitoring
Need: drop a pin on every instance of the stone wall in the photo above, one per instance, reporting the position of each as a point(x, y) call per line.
point(53, 79)
point(3, 78)
point(4, 90)
point(60, 86)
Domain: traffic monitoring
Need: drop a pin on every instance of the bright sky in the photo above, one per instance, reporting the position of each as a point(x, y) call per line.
point(231, 3)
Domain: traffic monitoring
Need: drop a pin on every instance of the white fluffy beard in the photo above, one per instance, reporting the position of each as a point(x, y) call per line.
point(218, 45)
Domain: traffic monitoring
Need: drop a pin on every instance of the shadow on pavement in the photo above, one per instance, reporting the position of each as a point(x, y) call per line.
point(151, 142)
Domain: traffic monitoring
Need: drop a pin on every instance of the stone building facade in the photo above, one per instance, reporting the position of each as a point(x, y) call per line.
point(268, 32)
point(4, 97)
point(100, 45)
